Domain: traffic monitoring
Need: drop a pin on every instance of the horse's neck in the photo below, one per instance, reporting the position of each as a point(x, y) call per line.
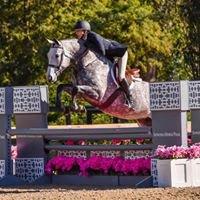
point(90, 57)
point(71, 46)
point(78, 49)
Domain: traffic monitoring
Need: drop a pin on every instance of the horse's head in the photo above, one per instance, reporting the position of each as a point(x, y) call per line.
point(59, 59)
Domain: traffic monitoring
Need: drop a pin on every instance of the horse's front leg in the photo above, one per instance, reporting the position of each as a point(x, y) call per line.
point(74, 91)
point(62, 87)
point(88, 91)
point(82, 90)
point(74, 105)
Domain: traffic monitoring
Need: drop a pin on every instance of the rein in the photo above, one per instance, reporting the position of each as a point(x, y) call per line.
point(60, 67)
point(79, 57)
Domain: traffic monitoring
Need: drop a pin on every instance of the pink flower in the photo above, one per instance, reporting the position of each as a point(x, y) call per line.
point(83, 166)
point(82, 142)
point(117, 164)
point(68, 164)
point(69, 142)
point(175, 152)
point(106, 164)
point(13, 152)
point(98, 164)
point(194, 151)
point(139, 141)
point(116, 141)
point(126, 141)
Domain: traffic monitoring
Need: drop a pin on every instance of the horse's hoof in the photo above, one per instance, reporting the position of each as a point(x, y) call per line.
point(74, 108)
point(82, 109)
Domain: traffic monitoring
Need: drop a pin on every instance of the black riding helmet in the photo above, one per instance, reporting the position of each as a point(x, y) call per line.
point(83, 25)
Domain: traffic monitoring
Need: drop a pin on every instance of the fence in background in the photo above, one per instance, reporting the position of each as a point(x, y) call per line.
point(169, 102)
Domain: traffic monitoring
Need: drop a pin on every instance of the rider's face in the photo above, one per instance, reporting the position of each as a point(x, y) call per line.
point(79, 33)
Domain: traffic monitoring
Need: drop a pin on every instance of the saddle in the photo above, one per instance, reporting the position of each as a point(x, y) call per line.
point(132, 74)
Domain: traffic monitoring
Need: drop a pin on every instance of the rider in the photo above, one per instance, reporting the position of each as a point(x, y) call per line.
point(108, 48)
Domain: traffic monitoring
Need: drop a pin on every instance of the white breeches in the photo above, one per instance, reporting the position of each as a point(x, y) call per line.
point(122, 62)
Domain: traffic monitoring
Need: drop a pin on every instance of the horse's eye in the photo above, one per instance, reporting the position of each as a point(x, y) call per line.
point(57, 55)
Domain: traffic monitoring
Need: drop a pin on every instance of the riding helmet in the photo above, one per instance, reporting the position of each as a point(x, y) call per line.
point(84, 25)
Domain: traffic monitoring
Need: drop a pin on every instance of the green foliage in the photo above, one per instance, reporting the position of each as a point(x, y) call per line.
point(191, 13)
point(160, 34)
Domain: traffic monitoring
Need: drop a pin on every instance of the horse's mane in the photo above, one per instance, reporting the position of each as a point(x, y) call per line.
point(73, 45)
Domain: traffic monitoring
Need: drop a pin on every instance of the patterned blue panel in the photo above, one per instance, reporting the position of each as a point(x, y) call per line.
point(2, 100)
point(105, 154)
point(26, 100)
point(2, 168)
point(29, 169)
point(165, 96)
point(154, 172)
point(74, 154)
point(137, 154)
point(194, 94)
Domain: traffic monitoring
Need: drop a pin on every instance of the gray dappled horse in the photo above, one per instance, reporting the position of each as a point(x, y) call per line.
point(96, 81)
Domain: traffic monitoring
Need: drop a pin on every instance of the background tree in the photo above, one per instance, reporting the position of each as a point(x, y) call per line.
point(162, 36)
point(191, 12)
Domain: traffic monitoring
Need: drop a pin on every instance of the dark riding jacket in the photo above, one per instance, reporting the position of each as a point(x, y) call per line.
point(108, 48)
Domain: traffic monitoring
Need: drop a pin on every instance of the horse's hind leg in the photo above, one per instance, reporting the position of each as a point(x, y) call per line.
point(144, 122)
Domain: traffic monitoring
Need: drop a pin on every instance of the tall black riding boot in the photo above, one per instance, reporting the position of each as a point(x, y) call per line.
point(125, 86)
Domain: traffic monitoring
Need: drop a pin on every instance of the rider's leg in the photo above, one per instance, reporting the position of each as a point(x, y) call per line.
point(122, 62)
point(122, 79)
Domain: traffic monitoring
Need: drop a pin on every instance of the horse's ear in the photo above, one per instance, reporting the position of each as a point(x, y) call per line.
point(57, 42)
point(50, 41)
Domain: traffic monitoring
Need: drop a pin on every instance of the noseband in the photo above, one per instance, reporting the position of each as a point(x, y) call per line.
point(60, 67)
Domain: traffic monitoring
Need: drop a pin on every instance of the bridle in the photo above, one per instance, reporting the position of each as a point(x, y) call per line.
point(59, 67)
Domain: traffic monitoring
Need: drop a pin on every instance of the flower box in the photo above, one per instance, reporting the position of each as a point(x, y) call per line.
point(102, 180)
point(135, 181)
point(176, 166)
point(195, 171)
point(85, 180)
point(174, 173)
point(99, 171)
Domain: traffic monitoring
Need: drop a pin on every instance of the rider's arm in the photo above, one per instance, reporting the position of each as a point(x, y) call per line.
point(97, 42)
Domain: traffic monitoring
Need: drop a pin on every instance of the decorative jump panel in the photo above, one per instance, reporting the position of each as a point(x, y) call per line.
point(194, 94)
point(154, 172)
point(105, 154)
point(29, 169)
point(2, 168)
point(165, 96)
point(26, 99)
point(133, 154)
point(74, 154)
point(2, 100)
